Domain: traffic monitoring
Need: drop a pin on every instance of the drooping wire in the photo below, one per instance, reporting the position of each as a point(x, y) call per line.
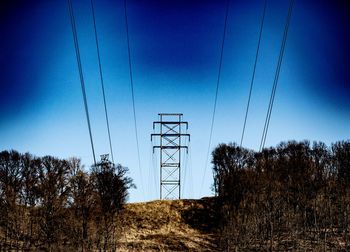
point(101, 78)
point(154, 167)
point(190, 173)
point(216, 92)
point(185, 153)
point(152, 173)
point(277, 73)
point(155, 173)
point(132, 90)
point(82, 83)
point(254, 70)
point(150, 166)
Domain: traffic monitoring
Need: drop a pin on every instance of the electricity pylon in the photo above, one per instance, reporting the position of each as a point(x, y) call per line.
point(170, 138)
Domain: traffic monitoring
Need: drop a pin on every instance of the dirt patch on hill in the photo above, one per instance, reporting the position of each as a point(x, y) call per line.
point(164, 225)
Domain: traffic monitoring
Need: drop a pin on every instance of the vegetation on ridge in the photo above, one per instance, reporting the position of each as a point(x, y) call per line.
point(52, 204)
point(295, 196)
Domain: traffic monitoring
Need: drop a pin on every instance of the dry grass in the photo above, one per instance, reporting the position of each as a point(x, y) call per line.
point(162, 225)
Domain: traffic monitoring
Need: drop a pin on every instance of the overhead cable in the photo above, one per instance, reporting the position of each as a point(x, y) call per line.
point(82, 83)
point(216, 92)
point(277, 73)
point(253, 75)
point(101, 78)
point(132, 91)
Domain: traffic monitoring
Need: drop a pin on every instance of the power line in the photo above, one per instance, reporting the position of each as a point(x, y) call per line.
point(101, 78)
point(153, 167)
point(132, 91)
point(187, 143)
point(156, 178)
point(77, 52)
point(190, 173)
point(277, 73)
point(216, 91)
point(150, 166)
point(253, 75)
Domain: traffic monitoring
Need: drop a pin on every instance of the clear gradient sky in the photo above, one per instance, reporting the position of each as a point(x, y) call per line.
point(175, 49)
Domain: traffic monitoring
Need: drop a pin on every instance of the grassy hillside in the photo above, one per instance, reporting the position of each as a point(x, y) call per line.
point(162, 225)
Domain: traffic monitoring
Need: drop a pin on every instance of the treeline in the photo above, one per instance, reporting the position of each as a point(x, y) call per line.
point(52, 204)
point(295, 196)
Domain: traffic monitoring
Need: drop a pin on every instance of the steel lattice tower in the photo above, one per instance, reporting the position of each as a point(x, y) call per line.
point(170, 134)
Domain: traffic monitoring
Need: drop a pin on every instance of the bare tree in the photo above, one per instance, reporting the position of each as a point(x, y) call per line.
point(30, 197)
point(10, 187)
point(83, 202)
point(285, 197)
point(110, 185)
point(53, 200)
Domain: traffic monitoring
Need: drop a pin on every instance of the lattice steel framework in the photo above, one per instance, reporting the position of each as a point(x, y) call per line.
point(170, 138)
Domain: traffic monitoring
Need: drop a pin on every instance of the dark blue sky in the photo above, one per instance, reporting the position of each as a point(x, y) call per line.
point(175, 47)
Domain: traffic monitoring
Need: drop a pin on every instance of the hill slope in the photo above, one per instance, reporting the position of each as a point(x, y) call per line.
point(163, 225)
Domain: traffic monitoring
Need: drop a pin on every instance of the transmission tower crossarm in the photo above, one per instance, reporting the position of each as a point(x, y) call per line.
point(170, 114)
point(169, 122)
point(171, 135)
point(169, 146)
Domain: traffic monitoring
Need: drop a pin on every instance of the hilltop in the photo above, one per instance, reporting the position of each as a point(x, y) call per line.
point(164, 225)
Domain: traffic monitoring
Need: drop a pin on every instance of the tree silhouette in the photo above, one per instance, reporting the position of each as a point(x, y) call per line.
point(110, 185)
point(282, 197)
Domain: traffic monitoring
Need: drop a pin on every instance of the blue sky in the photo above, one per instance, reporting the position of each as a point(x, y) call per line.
point(175, 49)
